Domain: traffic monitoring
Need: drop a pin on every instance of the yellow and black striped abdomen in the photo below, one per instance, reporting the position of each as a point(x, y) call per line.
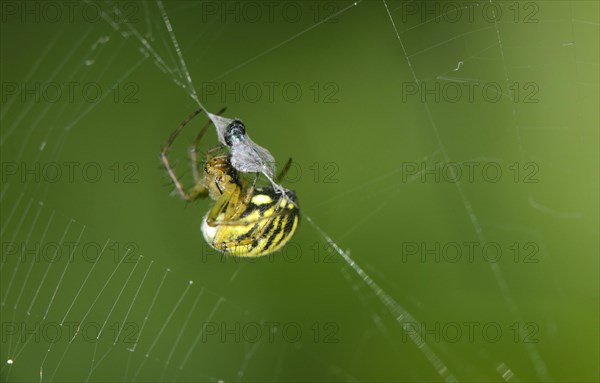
point(264, 226)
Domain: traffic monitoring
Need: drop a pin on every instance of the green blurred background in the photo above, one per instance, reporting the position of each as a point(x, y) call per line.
point(98, 87)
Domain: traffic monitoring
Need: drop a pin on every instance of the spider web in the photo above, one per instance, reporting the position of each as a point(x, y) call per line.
point(107, 303)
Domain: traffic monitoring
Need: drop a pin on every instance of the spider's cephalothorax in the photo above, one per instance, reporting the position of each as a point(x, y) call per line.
point(220, 177)
point(245, 220)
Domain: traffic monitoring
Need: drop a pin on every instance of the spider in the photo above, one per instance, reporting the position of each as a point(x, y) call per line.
point(246, 220)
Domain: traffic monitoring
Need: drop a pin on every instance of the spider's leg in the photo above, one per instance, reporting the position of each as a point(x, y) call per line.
point(195, 146)
point(231, 200)
point(227, 198)
point(196, 190)
point(250, 192)
point(284, 171)
point(240, 207)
